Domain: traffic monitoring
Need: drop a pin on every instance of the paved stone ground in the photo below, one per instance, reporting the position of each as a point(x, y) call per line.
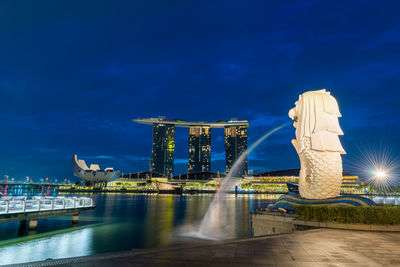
point(320, 247)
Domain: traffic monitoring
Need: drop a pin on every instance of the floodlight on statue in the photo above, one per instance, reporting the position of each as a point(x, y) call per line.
point(317, 143)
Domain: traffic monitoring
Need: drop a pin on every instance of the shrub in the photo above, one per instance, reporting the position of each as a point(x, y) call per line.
point(193, 184)
point(246, 185)
point(367, 215)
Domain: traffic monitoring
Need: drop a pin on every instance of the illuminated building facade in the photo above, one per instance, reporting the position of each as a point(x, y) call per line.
point(199, 149)
point(235, 146)
point(162, 154)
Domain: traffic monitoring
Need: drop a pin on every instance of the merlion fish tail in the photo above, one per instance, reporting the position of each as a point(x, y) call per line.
point(321, 173)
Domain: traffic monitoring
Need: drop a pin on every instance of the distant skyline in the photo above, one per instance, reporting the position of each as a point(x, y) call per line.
point(73, 74)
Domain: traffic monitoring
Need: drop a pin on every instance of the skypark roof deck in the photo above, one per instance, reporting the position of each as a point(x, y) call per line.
point(181, 123)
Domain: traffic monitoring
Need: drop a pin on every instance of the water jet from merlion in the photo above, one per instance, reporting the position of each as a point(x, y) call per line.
point(216, 223)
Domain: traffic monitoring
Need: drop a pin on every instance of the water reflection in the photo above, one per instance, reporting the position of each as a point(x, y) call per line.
point(121, 222)
point(77, 243)
point(392, 200)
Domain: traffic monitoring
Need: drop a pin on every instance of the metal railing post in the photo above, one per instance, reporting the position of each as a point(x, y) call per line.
point(24, 206)
point(74, 203)
point(91, 202)
point(52, 204)
point(64, 203)
point(39, 205)
point(7, 205)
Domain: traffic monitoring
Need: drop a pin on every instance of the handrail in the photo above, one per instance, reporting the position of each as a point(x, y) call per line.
point(22, 204)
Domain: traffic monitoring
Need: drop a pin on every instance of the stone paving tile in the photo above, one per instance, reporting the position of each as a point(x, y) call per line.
point(308, 259)
point(151, 263)
point(260, 261)
point(321, 247)
point(298, 264)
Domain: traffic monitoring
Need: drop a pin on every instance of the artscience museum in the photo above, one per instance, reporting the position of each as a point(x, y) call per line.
point(93, 175)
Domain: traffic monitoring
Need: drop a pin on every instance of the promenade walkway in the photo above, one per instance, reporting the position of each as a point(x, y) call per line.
point(33, 208)
point(320, 247)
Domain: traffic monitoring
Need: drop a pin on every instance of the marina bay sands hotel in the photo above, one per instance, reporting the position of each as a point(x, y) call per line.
point(162, 155)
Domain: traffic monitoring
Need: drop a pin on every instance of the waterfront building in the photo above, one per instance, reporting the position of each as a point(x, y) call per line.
point(200, 176)
point(275, 181)
point(235, 146)
point(162, 154)
point(199, 149)
point(349, 179)
point(93, 175)
point(147, 175)
point(292, 176)
point(199, 144)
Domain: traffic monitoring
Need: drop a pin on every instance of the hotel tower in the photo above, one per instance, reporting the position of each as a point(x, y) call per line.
point(162, 155)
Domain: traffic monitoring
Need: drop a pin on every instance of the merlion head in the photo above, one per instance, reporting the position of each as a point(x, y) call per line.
point(315, 116)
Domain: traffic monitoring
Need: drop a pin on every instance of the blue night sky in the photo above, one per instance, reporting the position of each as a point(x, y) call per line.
point(74, 73)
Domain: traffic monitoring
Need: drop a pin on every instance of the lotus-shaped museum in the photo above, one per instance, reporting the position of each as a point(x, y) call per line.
point(93, 175)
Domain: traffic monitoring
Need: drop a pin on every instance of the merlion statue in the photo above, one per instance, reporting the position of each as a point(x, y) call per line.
point(317, 143)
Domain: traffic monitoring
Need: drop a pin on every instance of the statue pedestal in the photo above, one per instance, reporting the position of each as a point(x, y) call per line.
point(290, 201)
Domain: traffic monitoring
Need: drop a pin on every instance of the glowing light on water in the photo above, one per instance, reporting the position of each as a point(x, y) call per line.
point(215, 223)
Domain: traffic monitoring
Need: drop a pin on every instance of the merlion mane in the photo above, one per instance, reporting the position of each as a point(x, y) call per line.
point(317, 143)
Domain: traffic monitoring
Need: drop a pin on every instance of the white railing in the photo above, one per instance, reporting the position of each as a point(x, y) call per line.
point(29, 204)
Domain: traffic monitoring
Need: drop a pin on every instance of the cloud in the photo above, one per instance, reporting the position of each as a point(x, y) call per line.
point(47, 149)
point(98, 157)
point(137, 158)
point(266, 119)
point(368, 116)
